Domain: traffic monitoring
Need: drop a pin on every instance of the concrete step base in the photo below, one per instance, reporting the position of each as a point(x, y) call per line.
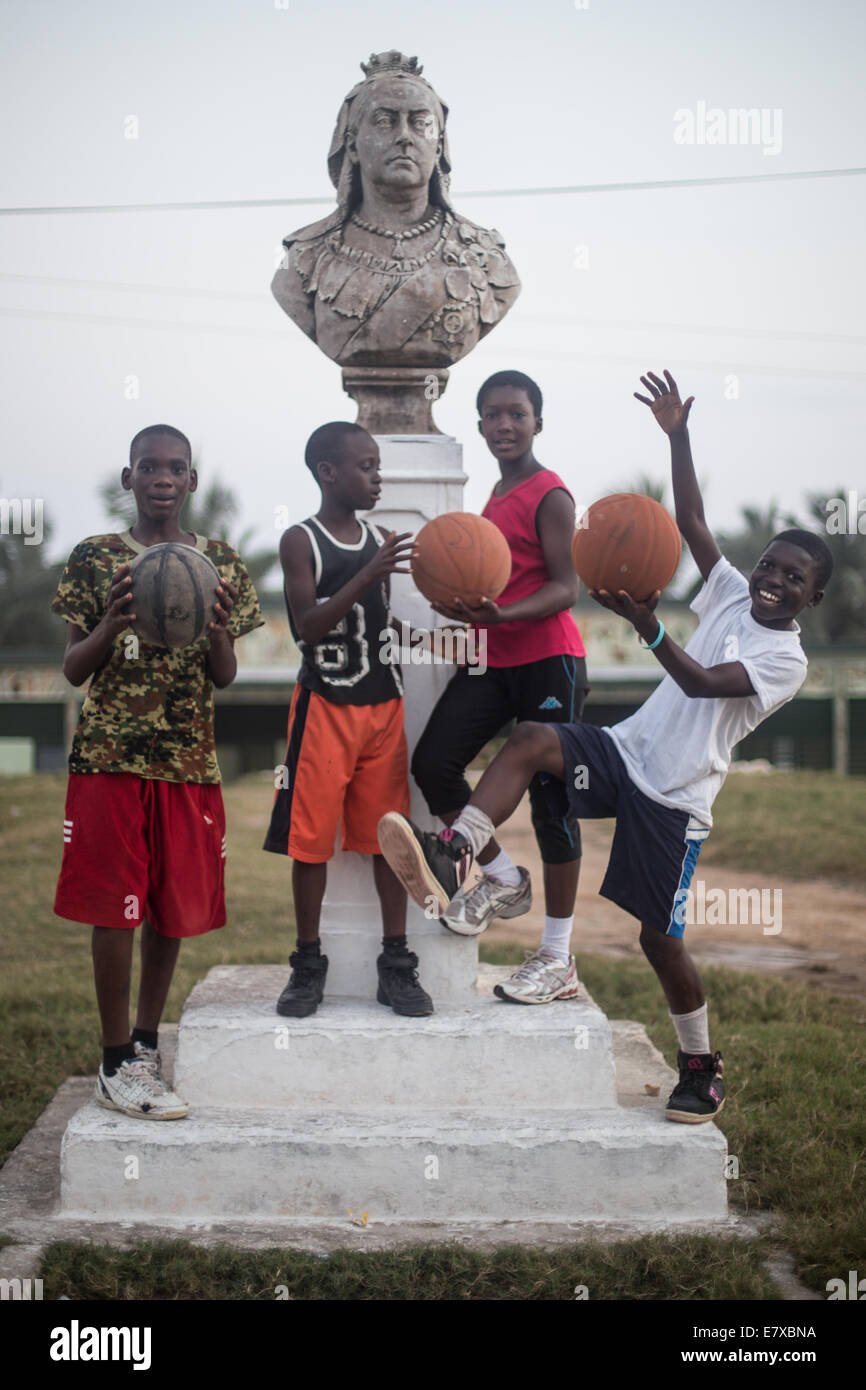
point(351, 934)
point(354, 1055)
point(301, 1167)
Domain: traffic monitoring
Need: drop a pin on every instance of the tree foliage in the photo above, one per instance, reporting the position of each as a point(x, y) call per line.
point(209, 511)
point(28, 583)
point(841, 616)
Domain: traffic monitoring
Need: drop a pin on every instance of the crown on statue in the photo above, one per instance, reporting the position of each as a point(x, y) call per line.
point(391, 62)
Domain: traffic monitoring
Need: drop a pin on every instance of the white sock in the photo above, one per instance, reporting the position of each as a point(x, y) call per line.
point(503, 869)
point(693, 1031)
point(557, 935)
point(476, 826)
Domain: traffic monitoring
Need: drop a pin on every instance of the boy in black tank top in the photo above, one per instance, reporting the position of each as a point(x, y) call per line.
point(347, 760)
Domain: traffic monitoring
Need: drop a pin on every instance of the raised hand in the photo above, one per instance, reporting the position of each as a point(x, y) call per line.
point(664, 402)
point(393, 552)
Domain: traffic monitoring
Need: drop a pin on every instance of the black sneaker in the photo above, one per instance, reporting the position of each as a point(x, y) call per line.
point(399, 986)
point(700, 1094)
point(303, 994)
point(430, 867)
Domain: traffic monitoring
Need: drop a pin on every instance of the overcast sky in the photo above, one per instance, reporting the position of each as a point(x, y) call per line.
point(763, 283)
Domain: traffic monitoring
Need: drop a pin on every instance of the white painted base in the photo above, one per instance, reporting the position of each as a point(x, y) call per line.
point(486, 1112)
point(298, 1167)
point(422, 477)
point(486, 1055)
point(351, 934)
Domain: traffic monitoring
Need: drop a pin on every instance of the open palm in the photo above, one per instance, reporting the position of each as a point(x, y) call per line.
point(664, 402)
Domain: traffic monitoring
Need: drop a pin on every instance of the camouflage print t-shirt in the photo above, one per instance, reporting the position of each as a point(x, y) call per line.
point(150, 713)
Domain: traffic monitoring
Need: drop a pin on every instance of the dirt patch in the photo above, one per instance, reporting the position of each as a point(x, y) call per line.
point(823, 927)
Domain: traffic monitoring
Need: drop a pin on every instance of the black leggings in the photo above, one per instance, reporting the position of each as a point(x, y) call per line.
point(473, 709)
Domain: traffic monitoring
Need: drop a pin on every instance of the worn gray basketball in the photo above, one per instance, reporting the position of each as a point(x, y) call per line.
point(173, 594)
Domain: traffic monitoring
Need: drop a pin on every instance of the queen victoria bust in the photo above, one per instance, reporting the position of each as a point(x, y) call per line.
point(394, 277)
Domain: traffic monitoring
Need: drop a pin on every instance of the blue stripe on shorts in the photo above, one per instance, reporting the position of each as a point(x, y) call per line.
point(677, 924)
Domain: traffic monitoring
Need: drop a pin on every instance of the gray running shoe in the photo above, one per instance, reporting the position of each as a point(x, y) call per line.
point(470, 913)
point(541, 978)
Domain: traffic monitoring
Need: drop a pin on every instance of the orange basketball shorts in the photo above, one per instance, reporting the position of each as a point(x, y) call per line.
point(345, 767)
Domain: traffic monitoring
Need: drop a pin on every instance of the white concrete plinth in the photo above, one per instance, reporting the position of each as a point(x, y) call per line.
point(422, 477)
point(484, 1112)
point(446, 969)
point(353, 1055)
point(301, 1167)
point(351, 933)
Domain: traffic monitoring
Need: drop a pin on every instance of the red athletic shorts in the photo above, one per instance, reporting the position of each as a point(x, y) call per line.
point(346, 765)
point(136, 848)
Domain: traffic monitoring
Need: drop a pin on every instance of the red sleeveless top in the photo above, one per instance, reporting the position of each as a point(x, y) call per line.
point(515, 644)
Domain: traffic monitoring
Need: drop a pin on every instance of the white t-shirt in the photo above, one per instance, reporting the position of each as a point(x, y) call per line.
point(677, 748)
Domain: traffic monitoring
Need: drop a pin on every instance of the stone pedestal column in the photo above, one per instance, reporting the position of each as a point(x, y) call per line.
point(422, 477)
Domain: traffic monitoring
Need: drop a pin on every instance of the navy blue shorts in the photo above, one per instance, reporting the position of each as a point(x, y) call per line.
point(654, 848)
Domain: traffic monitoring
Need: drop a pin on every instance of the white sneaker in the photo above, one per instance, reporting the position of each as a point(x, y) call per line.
point(151, 1056)
point(470, 913)
point(136, 1089)
point(541, 978)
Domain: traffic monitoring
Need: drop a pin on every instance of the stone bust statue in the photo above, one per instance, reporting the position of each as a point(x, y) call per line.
point(394, 277)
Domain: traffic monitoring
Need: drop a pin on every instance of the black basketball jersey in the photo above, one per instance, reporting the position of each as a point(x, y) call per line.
point(346, 667)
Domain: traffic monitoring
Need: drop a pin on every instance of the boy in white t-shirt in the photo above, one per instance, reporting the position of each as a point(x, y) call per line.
point(658, 772)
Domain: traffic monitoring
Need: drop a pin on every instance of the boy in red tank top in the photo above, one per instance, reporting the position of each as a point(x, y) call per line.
point(536, 670)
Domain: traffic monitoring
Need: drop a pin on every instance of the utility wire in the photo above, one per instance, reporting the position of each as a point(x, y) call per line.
point(219, 205)
point(259, 297)
point(133, 287)
point(530, 353)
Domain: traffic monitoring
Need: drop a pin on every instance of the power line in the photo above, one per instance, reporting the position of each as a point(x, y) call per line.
point(259, 297)
point(158, 325)
point(530, 353)
point(705, 330)
point(222, 204)
point(133, 287)
point(725, 367)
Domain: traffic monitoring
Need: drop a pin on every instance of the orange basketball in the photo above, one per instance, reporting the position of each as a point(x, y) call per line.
point(629, 542)
point(461, 555)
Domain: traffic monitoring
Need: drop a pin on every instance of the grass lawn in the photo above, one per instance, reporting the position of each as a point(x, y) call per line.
point(693, 1267)
point(814, 820)
point(795, 1062)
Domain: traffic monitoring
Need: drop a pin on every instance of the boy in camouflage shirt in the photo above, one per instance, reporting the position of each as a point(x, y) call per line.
point(144, 827)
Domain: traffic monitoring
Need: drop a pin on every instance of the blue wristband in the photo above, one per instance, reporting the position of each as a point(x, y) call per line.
point(651, 646)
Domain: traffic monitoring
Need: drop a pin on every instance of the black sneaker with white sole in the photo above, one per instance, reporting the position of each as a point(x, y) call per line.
point(399, 985)
point(432, 868)
point(303, 994)
point(700, 1092)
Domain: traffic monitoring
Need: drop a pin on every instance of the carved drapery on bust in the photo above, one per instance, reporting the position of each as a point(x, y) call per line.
point(394, 277)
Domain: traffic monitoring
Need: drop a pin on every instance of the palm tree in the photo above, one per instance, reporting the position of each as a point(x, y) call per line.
point(841, 617)
point(209, 511)
point(744, 545)
point(657, 489)
point(28, 583)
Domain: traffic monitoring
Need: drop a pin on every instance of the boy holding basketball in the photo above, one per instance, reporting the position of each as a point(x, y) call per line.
point(144, 828)
point(535, 670)
point(659, 771)
point(346, 761)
